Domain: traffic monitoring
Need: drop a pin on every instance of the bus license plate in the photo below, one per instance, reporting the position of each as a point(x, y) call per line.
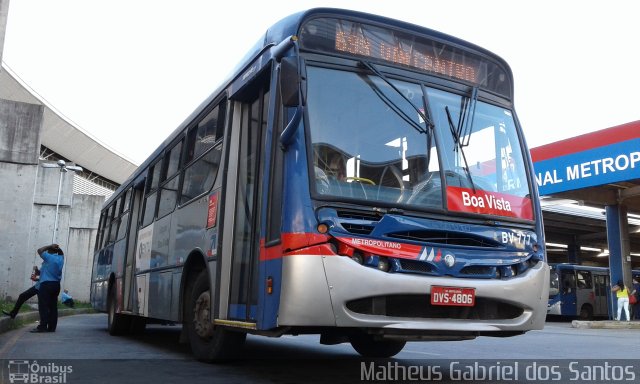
point(453, 296)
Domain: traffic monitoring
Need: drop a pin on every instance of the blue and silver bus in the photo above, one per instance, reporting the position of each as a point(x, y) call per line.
point(579, 291)
point(357, 177)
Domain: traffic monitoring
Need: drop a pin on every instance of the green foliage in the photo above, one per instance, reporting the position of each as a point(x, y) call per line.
point(6, 305)
point(77, 305)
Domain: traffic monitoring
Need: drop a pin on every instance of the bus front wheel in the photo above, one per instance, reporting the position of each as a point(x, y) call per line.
point(208, 342)
point(367, 346)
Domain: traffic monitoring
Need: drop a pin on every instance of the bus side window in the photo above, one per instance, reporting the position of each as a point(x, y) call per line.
point(584, 280)
point(101, 231)
point(199, 176)
point(113, 223)
point(124, 217)
point(151, 198)
point(200, 172)
point(170, 181)
point(202, 137)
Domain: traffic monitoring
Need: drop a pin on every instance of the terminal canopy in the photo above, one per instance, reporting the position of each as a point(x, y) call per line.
point(579, 177)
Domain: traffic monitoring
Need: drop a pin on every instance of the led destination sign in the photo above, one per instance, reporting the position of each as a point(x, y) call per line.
point(352, 38)
point(403, 52)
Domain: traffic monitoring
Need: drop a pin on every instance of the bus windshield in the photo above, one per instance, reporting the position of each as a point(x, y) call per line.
point(391, 142)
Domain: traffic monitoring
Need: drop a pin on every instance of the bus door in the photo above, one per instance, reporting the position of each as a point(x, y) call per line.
point(601, 283)
point(241, 237)
point(137, 194)
point(585, 294)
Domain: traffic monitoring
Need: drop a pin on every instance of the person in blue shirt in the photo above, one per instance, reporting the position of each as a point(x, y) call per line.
point(50, 276)
point(66, 299)
point(26, 295)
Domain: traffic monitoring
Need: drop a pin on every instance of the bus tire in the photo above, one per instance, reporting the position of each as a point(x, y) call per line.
point(117, 323)
point(209, 343)
point(586, 312)
point(367, 346)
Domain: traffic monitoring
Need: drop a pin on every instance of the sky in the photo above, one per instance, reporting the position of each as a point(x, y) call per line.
point(128, 72)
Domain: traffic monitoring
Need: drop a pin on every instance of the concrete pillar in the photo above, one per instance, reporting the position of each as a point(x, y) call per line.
point(573, 251)
point(20, 125)
point(618, 242)
point(16, 202)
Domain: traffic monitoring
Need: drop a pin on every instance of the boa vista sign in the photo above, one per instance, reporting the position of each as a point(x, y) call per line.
point(489, 203)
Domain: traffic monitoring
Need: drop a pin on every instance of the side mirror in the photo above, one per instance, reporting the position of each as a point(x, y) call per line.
point(290, 82)
point(292, 91)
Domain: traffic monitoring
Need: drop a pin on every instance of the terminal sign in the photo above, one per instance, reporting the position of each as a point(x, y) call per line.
point(603, 165)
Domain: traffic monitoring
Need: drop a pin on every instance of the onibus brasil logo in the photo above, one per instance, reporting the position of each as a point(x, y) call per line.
point(28, 372)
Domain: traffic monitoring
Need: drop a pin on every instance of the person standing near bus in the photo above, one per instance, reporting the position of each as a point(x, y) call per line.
point(50, 276)
point(622, 293)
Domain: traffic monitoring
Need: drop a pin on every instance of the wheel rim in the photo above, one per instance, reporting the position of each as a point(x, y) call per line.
point(201, 320)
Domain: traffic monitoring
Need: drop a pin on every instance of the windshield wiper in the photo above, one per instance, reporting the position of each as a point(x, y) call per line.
point(391, 104)
point(455, 133)
point(467, 115)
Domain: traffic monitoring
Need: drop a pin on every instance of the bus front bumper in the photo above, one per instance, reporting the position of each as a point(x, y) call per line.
point(322, 290)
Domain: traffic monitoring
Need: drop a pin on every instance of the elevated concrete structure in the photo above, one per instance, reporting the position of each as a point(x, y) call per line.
point(65, 138)
point(29, 129)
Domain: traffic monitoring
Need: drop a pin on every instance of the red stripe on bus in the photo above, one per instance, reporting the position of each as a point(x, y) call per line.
point(314, 250)
point(291, 244)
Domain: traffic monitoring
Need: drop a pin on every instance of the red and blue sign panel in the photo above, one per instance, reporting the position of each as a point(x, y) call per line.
point(603, 157)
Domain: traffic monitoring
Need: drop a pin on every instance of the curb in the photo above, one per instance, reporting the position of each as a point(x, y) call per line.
point(7, 324)
point(606, 324)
